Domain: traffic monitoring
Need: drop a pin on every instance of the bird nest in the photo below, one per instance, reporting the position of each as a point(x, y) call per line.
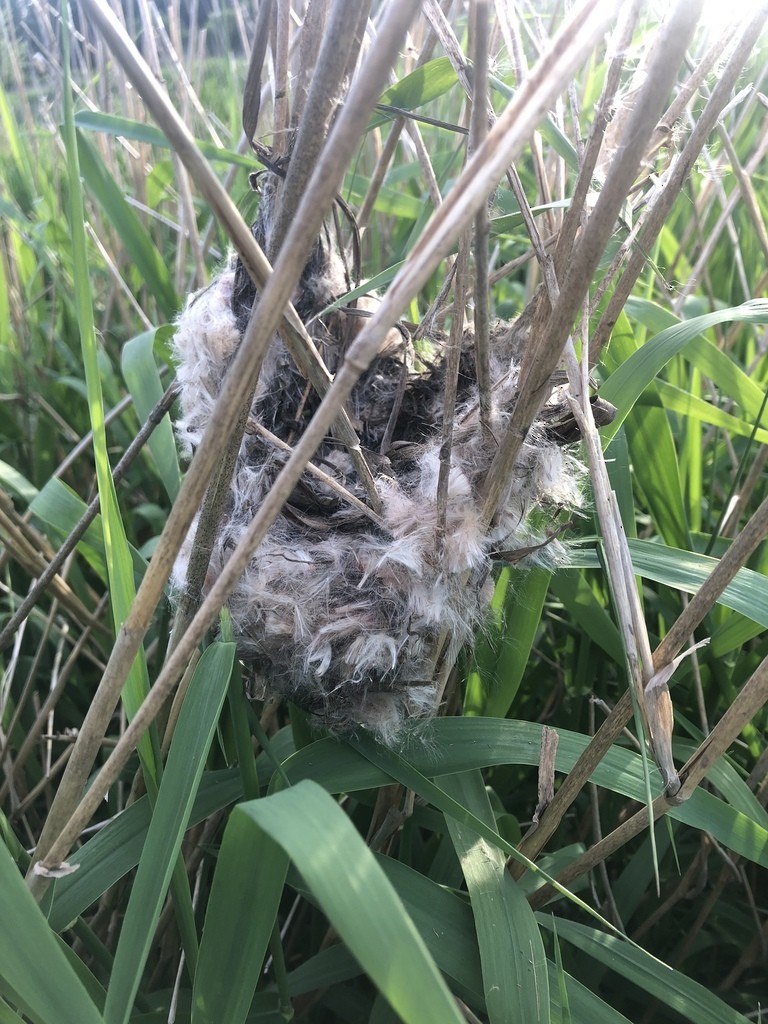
point(343, 610)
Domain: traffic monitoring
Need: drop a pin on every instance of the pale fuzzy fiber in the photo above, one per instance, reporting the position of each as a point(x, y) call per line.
point(332, 612)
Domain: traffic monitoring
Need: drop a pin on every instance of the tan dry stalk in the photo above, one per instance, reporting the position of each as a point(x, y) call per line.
point(692, 615)
point(388, 151)
point(750, 700)
point(33, 732)
point(31, 550)
point(575, 40)
point(252, 90)
point(282, 114)
point(659, 211)
point(49, 573)
point(478, 129)
point(452, 358)
point(618, 46)
point(329, 481)
point(731, 203)
point(316, 16)
point(339, 36)
point(544, 353)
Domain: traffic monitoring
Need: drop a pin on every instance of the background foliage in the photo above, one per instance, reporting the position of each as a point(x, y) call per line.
point(242, 866)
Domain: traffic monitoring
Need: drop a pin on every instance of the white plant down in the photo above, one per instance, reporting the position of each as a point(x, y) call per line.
point(334, 612)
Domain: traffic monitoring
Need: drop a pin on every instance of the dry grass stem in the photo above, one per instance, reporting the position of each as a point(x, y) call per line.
point(542, 357)
point(754, 532)
point(54, 566)
point(752, 697)
point(658, 210)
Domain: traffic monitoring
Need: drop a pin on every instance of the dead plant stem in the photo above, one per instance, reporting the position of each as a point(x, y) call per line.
point(542, 357)
point(750, 699)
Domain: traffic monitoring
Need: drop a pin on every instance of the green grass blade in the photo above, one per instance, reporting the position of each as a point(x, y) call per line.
point(428, 82)
point(685, 996)
point(9, 1015)
point(502, 654)
point(135, 238)
point(12, 480)
point(119, 567)
point(60, 509)
point(139, 131)
point(143, 380)
point(459, 744)
point(189, 748)
point(515, 978)
point(562, 988)
point(31, 960)
point(584, 1006)
point(712, 361)
point(399, 769)
point(625, 385)
point(683, 402)
point(245, 895)
point(583, 608)
point(652, 447)
point(116, 848)
point(348, 884)
point(685, 570)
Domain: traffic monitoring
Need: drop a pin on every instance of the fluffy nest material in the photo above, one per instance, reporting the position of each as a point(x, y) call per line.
point(335, 612)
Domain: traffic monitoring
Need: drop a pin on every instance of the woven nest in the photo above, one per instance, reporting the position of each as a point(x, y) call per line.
point(341, 614)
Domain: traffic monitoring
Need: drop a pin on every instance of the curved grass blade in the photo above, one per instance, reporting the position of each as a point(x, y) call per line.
point(189, 748)
point(677, 400)
point(459, 744)
point(686, 571)
point(685, 996)
point(515, 980)
point(31, 960)
point(305, 824)
point(625, 385)
point(399, 769)
point(138, 131)
point(143, 380)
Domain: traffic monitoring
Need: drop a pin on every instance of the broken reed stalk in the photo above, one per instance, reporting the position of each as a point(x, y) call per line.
point(576, 38)
point(737, 555)
point(751, 698)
